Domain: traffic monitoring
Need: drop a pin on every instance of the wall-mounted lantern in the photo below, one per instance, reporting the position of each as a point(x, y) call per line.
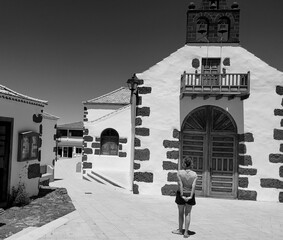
point(133, 86)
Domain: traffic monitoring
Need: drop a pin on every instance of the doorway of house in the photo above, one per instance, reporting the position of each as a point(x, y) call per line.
point(5, 150)
point(209, 136)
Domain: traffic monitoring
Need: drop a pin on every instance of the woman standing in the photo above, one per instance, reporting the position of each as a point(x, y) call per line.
point(185, 196)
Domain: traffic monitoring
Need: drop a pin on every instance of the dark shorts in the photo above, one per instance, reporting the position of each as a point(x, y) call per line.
point(180, 201)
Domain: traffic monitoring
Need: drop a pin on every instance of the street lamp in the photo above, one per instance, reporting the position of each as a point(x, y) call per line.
point(133, 86)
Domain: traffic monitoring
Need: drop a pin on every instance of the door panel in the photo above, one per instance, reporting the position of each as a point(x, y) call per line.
point(213, 150)
point(5, 144)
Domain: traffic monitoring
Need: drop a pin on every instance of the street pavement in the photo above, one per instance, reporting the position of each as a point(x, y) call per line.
point(105, 212)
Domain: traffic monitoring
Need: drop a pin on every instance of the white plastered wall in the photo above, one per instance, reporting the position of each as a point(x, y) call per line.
point(22, 114)
point(166, 112)
point(115, 168)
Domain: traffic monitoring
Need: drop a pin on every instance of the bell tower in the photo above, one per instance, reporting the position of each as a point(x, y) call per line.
point(213, 22)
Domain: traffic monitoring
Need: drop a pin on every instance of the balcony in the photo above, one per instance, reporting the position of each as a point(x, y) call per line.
point(215, 85)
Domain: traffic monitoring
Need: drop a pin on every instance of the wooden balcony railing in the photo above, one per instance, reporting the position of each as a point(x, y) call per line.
point(215, 84)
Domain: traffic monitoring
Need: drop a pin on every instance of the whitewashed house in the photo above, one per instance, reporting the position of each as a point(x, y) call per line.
point(212, 100)
point(20, 142)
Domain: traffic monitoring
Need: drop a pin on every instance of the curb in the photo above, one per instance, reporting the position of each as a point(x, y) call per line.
point(34, 233)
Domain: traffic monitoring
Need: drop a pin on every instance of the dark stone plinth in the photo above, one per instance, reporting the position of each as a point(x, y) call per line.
point(271, 183)
point(169, 189)
point(276, 158)
point(142, 154)
point(34, 171)
point(247, 195)
point(247, 171)
point(167, 165)
point(172, 155)
point(143, 177)
point(243, 182)
point(171, 144)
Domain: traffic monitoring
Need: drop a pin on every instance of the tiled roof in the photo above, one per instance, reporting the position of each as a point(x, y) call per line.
point(15, 96)
point(74, 125)
point(49, 116)
point(119, 96)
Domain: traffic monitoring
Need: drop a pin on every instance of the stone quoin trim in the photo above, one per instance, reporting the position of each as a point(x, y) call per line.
point(247, 195)
point(246, 137)
point(120, 147)
point(167, 165)
point(137, 142)
point(172, 177)
point(88, 138)
point(87, 165)
point(137, 166)
point(123, 140)
point(97, 152)
point(142, 131)
point(281, 148)
point(279, 90)
point(84, 158)
point(142, 154)
point(143, 177)
point(144, 111)
point(138, 122)
point(135, 189)
point(271, 183)
point(243, 182)
point(242, 148)
point(281, 197)
point(281, 123)
point(88, 151)
point(122, 154)
point(176, 134)
point(171, 144)
point(95, 145)
point(144, 90)
point(276, 158)
point(245, 160)
point(247, 171)
point(172, 155)
point(169, 189)
point(34, 171)
point(86, 131)
point(281, 171)
point(278, 134)
point(278, 112)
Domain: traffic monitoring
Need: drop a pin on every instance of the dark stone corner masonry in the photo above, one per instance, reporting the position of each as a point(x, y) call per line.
point(247, 195)
point(143, 177)
point(169, 189)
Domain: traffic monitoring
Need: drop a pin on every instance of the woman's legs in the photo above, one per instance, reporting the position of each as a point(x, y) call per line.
point(188, 209)
point(181, 217)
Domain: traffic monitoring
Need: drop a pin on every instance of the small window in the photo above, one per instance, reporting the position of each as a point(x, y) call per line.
point(109, 142)
point(223, 29)
point(202, 30)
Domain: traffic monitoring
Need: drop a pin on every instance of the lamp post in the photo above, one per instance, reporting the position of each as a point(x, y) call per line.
point(133, 87)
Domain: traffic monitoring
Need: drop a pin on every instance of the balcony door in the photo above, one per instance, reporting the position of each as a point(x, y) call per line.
point(210, 71)
point(209, 136)
point(5, 151)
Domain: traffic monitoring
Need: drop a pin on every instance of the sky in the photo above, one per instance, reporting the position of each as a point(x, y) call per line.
point(70, 51)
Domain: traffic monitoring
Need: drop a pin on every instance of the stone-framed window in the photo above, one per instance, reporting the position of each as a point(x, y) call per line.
point(109, 144)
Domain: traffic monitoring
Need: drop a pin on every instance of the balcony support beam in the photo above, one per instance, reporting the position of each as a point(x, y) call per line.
point(194, 96)
point(205, 97)
point(231, 97)
point(218, 97)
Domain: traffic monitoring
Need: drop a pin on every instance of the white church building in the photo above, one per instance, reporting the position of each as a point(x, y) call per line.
point(211, 100)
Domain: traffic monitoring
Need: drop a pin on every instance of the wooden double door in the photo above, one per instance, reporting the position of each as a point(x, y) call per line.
point(5, 151)
point(209, 137)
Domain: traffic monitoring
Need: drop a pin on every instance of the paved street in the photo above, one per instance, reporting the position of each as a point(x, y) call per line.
point(104, 212)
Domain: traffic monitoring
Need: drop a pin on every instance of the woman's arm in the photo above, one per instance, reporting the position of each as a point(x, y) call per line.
point(193, 187)
point(180, 184)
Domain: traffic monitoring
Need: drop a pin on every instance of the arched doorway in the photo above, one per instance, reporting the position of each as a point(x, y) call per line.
point(209, 136)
